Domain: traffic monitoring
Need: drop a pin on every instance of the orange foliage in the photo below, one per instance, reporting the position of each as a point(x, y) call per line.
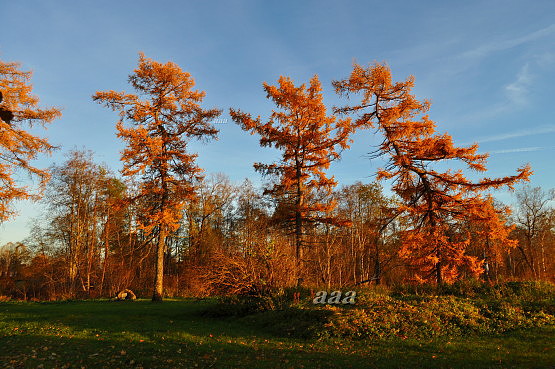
point(309, 140)
point(157, 140)
point(17, 146)
point(490, 234)
point(433, 200)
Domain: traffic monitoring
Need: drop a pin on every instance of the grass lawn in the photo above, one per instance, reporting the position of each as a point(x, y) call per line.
point(103, 334)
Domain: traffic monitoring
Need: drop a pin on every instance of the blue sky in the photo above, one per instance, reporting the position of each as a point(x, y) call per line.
point(487, 66)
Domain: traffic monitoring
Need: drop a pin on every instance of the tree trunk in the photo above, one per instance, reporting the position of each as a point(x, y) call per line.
point(106, 240)
point(298, 238)
point(159, 275)
point(378, 270)
point(377, 262)
point(299, 227)
point(439, 276)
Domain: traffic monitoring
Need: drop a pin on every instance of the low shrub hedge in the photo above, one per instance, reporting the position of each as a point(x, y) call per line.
point(381, 314)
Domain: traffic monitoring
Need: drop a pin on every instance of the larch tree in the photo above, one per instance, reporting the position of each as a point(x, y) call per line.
point(490, 237)
point(18, 148)
point(309, 140)
point(163, 117)
point(434, 200)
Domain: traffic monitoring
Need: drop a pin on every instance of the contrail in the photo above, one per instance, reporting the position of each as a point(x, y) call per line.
point(522, 133)
point(522, 149)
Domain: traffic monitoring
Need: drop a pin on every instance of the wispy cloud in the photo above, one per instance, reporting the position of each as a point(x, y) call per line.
point(521, 149)
point(518, 94)
point(517, 91)
point(546, 59)
point(484, 50)
point(516, 134)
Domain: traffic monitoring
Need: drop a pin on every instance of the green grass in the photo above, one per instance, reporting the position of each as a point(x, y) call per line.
point(174, 334)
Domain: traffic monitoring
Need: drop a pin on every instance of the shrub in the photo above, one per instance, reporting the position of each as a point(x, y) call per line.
point(388, 317)
point(432, 317)
point(528, 291)
point(493, 309)
point(242, 305)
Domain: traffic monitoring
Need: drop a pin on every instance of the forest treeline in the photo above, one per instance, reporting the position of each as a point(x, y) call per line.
point(165, 228)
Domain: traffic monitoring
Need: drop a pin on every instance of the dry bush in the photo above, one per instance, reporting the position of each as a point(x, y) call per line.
point(233, 274)
point(230, 274)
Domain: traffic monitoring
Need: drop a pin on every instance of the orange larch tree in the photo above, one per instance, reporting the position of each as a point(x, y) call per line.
point(491, 236)
point(161, 126)
point(19, 108)
point(434, 200)
point(309, 140)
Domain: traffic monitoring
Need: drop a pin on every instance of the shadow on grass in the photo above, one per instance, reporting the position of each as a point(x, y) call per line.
point(33, 350)
point(30, 351)
point(175, 334)
point(139, 318)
